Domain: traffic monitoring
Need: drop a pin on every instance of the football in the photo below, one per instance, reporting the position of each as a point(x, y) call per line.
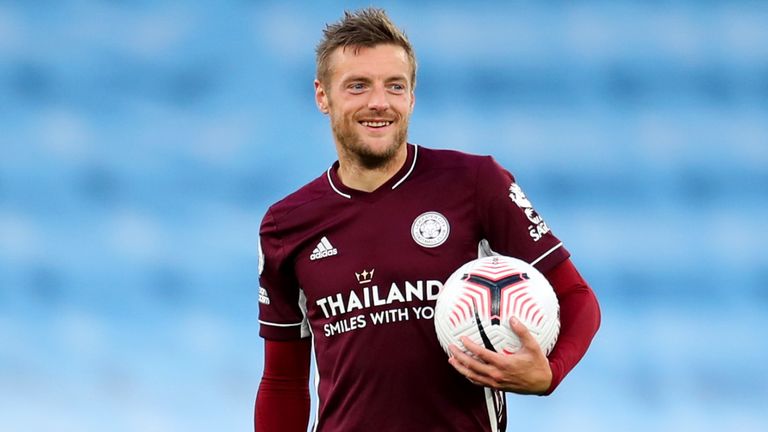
point(480, 297)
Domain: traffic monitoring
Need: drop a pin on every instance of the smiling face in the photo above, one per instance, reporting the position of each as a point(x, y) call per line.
point(369, 99)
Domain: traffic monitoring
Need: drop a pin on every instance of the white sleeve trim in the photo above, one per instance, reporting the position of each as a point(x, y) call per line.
point(281, 325)
point(305, 331)
point(547, 253)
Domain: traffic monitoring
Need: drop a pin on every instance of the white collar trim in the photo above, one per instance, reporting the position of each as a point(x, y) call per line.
point(410, 170)
point(413, 164)
point(330, 180)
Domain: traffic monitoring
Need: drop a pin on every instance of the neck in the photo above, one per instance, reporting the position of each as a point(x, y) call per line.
point(356, 176)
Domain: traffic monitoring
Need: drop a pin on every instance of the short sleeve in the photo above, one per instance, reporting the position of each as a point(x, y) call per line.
point(282, 305)
point(510, 224)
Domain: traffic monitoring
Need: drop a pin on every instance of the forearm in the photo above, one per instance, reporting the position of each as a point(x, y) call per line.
point(579, 320)
point(281, 407)
point(282, 402)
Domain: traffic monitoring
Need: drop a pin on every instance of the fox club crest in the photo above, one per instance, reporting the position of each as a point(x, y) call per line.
point(430, 229)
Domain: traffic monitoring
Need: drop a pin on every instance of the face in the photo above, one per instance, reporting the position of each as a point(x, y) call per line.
point(369, 99)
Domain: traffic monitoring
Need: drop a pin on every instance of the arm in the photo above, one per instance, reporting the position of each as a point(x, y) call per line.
point(528, 371)
point(579, 320)
point(282, 402)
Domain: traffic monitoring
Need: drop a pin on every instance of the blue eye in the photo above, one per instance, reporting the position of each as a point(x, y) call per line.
point(356, 87)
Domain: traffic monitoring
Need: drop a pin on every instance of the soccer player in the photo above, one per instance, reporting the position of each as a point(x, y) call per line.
point(352, 262)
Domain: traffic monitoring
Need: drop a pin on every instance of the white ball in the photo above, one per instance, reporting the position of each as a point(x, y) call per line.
point(480, 297)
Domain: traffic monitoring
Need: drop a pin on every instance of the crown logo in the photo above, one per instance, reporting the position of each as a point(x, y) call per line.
point(365, 276)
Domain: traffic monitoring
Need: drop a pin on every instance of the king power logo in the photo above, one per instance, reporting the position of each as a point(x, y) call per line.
point(323, 249)
point(538, 227)
point(263, 296)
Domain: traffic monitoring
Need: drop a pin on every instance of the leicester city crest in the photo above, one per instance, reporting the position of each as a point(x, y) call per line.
point(430, 229)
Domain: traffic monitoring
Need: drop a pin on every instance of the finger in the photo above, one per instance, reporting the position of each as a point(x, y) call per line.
point(460, 356)
point(460, 368)
point(470, 375)
point(526, 338)
point(481, 352)
point(470, 363)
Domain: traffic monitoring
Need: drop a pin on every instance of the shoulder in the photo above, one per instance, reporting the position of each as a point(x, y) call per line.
point(308, 194)
point(481, 174)
point(459, 164)
point(455, 158)
point(451, 157)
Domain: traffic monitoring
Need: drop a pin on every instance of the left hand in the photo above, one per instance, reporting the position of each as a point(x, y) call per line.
point(526, 372)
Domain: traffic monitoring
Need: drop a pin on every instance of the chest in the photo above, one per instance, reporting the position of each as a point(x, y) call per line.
point(381, 254)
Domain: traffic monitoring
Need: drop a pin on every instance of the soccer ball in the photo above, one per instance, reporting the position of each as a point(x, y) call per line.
point(480, 297)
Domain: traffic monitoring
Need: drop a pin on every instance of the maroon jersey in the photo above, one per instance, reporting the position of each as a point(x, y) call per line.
point(359, 273)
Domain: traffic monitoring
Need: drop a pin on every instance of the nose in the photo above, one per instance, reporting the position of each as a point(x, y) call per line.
point(378, 100)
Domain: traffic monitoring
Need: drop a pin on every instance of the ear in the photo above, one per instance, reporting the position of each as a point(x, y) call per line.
point(413, 100)
point(321, 98)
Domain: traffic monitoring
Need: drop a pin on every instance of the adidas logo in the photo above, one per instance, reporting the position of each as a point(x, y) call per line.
point(323, 249)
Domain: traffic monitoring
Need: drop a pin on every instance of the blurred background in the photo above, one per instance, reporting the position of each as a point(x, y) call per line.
point(141, 142)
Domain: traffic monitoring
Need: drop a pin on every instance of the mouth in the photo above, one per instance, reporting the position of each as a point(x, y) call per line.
point(376, 124)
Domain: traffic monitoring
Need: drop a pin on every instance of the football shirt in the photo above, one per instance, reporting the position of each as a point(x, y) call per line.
point(359, 273)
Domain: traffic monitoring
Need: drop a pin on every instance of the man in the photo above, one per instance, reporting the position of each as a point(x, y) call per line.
point(351, 264)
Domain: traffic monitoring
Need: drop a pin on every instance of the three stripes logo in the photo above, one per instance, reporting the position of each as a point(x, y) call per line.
point(323, 249)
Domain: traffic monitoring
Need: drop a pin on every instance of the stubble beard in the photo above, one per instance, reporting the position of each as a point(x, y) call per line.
point(353, 145)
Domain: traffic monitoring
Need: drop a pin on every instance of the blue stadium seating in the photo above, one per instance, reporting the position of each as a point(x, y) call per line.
point(141, 143)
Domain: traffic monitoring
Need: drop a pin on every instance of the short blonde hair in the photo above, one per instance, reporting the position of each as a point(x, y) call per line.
point(367, 27)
